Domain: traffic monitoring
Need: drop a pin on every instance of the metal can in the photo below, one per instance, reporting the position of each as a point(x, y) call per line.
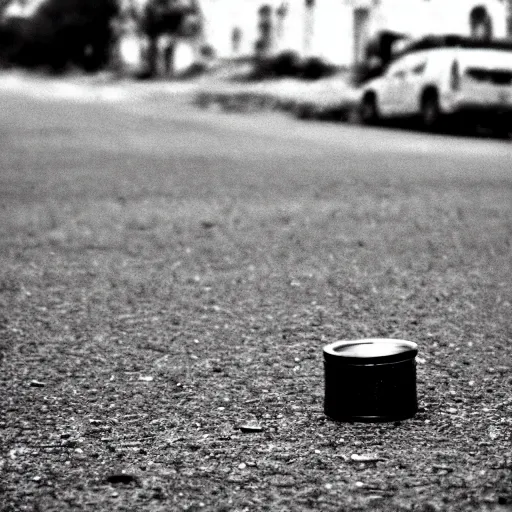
point(370, 380)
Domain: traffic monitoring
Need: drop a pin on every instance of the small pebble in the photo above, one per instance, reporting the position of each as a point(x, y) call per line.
point(242, 465)
point(359, 484)
point(328, 486)
point(121, 478)
point(365, 458)
point(248, 428)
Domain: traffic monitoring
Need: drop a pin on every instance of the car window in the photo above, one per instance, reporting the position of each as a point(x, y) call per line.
point(419, 69)
point(403, 65)
point(396, 68)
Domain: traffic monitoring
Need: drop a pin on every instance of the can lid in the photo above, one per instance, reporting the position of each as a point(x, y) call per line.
point(370, 351)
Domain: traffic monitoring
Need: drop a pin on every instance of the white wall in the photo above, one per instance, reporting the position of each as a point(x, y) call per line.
point(422, 17)
point(333, 35)
point(222, 16)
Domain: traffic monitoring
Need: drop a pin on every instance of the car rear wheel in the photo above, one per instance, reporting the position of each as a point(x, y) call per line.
point(369, 111)
point(430, 111)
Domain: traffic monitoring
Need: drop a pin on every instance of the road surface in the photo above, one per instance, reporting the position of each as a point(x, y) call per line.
point(168, 274)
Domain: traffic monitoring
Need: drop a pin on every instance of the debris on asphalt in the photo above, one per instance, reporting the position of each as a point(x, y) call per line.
point(366, 458)
point(122, 479)
point(250, 428)
point(36, 384)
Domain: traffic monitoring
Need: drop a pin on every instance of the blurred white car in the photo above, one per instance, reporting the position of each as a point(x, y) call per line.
point(440, 76)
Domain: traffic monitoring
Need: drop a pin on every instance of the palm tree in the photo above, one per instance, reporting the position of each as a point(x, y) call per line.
point(172, 18)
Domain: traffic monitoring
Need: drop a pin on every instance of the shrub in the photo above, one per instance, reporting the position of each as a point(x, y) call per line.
point(315, 68)
point(207, 52)
point(196, 69)
point(286, 64)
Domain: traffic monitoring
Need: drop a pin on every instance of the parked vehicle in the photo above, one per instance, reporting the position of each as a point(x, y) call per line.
point(437, 78)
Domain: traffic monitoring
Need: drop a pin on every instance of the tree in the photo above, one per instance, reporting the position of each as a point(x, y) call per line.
point(65, 33)
point(179, 18)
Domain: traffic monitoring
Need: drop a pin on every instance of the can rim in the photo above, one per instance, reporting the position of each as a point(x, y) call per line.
point(387, 350)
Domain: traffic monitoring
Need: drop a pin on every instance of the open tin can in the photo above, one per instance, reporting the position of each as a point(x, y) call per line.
point(370, 380)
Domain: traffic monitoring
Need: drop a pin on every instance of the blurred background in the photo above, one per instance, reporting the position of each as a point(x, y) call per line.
point(156, 38)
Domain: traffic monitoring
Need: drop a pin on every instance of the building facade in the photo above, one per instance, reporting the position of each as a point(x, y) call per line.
point(339, 30)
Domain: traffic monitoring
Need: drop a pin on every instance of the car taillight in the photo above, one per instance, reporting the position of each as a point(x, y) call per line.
point(455, 76)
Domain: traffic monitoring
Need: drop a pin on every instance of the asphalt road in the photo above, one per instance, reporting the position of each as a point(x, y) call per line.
point(167, 273)
point(276, 135)
point(264, 135)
